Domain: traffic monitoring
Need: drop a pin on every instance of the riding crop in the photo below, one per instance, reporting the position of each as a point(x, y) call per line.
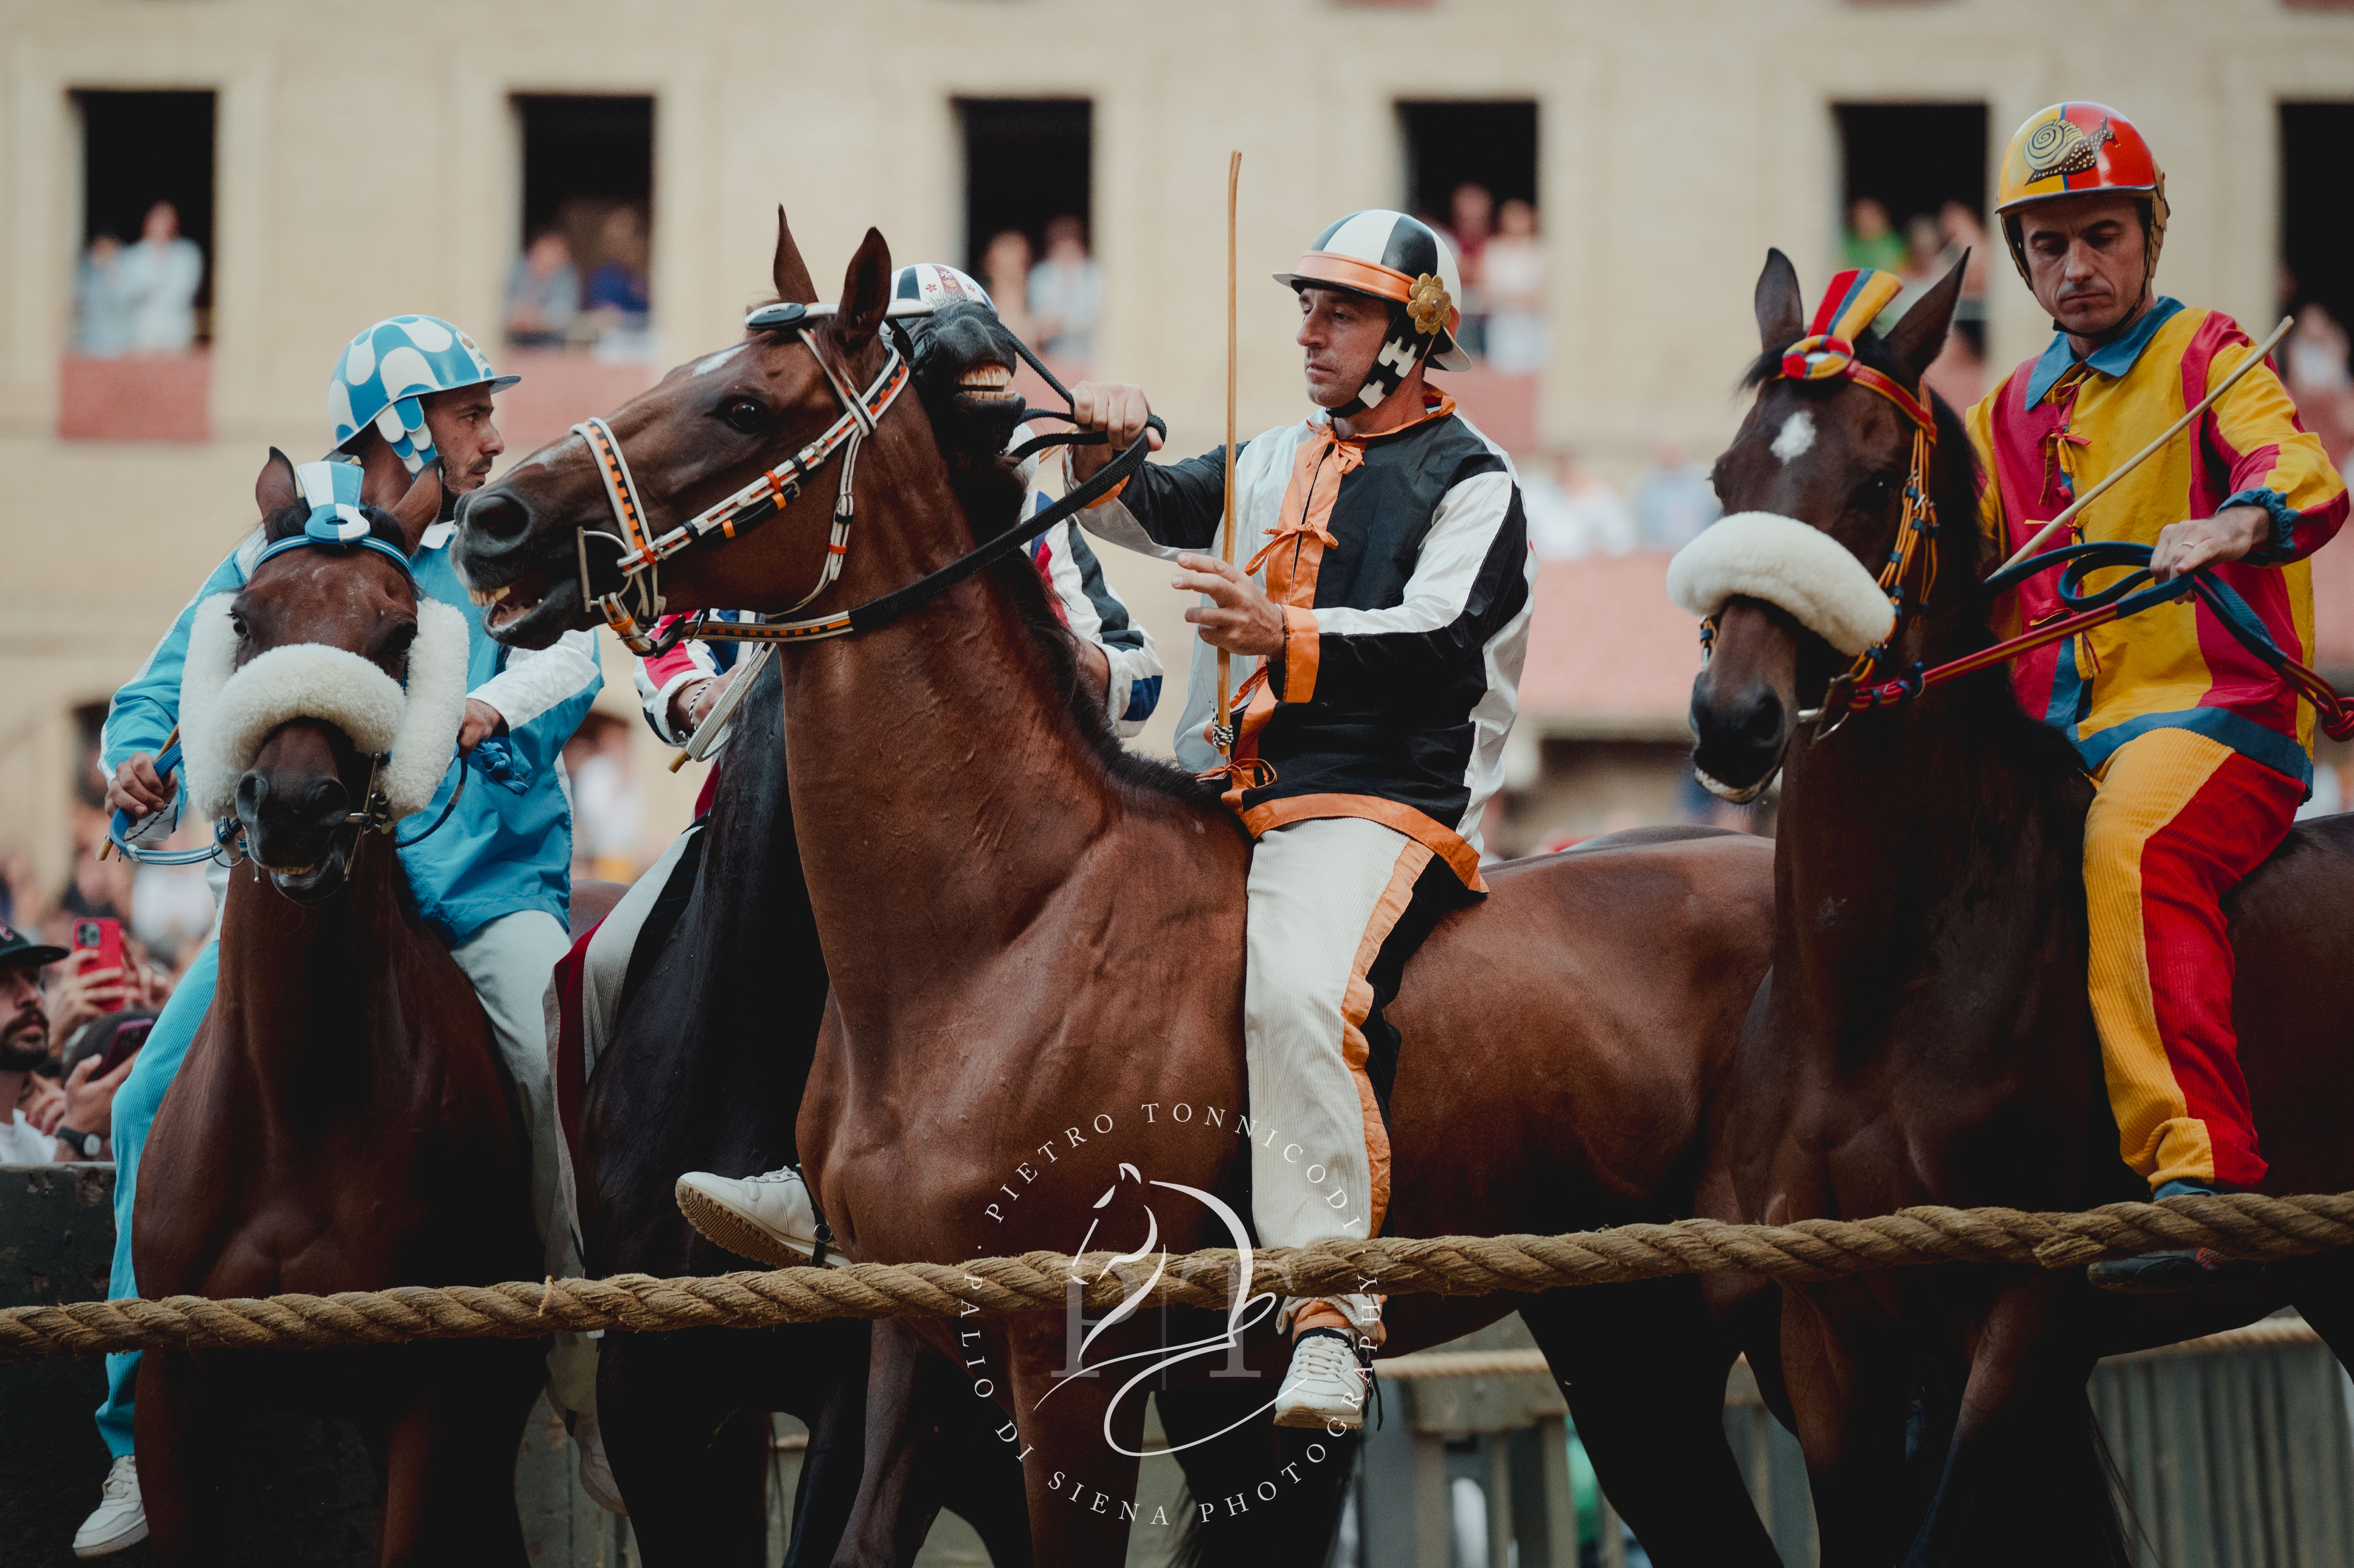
point(1225, 730)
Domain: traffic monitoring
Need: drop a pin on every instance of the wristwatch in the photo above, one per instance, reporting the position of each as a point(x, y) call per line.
point(90, 1143)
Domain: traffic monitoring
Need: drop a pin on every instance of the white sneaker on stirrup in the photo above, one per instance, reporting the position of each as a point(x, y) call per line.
point(771, 1217)
point(1326, 1384)
point(120, 1520)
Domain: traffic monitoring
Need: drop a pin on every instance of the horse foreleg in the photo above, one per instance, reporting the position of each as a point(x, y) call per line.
point(690, 1459)
point(447, 1460)
point(1292, 1482)
point(1645, 1370)
point(1081, 1488)
point(2024, 1478)
point(172, 1462)
point(1848, 1389)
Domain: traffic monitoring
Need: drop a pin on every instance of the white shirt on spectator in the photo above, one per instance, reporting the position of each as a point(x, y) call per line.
point(161, 282)
point(21, 1145)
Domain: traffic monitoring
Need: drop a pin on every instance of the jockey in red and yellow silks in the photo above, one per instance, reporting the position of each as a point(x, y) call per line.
point(2202, 754)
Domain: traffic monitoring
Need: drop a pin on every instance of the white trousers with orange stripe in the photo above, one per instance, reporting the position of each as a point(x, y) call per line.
point(1324, 895)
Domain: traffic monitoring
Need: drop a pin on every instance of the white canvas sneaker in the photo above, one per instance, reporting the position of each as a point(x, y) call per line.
point(1326, 1384)
point(120, 1520)
point(771, 1217)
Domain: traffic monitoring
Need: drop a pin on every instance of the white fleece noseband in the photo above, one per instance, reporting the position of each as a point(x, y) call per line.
point(1801, 569)
point(226, 712)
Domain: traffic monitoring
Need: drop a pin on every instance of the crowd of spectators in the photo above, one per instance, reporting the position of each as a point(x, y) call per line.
point(140, 298)
point(1054, 303)
point(1572, 513)
point(551, 303)
point(1923, 252)
point(1504, 266)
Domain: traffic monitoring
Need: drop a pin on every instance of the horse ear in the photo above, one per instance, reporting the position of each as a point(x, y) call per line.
point(275, 489)
point(422, 504)
point(1919, 337)
point(865, 292)
point(1781, 311)
point(789, 272)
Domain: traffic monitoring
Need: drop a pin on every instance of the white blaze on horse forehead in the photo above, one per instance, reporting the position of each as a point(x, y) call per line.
point(713, 362)
point(1797, 437)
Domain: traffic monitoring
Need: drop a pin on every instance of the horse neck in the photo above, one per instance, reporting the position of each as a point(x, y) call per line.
point(941, 790)
point(304, 990)
point(1908, 838)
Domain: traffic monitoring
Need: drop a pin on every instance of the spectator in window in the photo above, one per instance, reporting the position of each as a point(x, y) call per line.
point(1471, 224)
point(160, 276)
point(1511, 273)
point(1964, 235)
point(1066, 294)
point(1673, 499)
point(1005, 273)
point(1571, 512)
point(543, 293)
point(101, 309)
point(618, 292)
point(2315, 360)
point(1872, 240)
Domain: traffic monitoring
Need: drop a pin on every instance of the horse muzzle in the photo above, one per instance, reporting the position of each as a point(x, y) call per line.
point(528, 590)
point(1742, 727)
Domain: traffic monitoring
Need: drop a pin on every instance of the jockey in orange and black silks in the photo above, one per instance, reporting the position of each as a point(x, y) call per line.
point(2201, 751)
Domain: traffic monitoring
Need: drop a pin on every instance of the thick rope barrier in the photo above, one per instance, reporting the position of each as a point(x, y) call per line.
point(2244, 1225)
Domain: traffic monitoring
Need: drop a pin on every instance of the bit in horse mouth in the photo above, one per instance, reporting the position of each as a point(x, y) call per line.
point(511, 600)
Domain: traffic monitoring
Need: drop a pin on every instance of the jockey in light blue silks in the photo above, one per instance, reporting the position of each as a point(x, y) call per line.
point(493, 880)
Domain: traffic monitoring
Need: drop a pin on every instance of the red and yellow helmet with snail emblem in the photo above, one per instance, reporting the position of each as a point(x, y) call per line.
point(2076, 149)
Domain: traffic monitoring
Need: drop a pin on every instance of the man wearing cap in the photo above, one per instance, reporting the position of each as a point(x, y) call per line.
point(493, 880)
point(1387, 604)
point(2202, 754)
point(24, 1045)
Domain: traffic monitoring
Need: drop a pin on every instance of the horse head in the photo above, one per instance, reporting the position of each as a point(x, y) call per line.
point(531, 543)
point(294, 714)
point(1813, 488)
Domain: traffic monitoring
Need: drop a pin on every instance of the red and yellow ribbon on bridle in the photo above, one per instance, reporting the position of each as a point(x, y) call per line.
point(1850, 304)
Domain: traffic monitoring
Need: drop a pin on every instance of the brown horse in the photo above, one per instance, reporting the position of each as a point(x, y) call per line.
point(1924, 1036)
point(1035, 949)
point(342, 1120)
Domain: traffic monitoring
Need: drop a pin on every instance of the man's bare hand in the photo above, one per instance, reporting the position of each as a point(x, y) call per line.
point(1116, 409)
point(1240, 617)
point(2228, 536)
point(43, 1103)
point(138, 788)
point(89, 1099)
point(690, 705)
point(482, 721)
point(84, 991)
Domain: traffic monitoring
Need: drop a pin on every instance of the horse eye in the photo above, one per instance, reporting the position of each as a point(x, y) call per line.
point(396, 642)
point(1874, 492)
point(236, 624)
point(745, 415)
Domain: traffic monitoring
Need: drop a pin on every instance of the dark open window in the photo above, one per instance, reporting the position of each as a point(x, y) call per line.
point(1913, 196)
point(580, 272)
point(1491, 144)
point(136, 367)
point(1029, 173)
point(2317, 206)
point(140, 149)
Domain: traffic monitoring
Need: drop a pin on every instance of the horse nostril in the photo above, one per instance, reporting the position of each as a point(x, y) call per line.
point(325, 799)
point(252, 795)
point(497, 515)
point(1763, 722)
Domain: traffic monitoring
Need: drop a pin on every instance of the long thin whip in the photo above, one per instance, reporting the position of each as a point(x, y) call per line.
point(1226, 541)
point(2176, 428)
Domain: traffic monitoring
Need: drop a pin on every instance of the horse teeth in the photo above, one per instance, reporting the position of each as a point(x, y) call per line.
point(489, 599)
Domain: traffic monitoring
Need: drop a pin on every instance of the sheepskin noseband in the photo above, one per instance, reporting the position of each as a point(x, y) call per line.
point(1804, 571)
point(226, 712)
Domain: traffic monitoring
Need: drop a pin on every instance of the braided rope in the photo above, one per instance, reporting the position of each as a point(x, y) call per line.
point(2238, 1226)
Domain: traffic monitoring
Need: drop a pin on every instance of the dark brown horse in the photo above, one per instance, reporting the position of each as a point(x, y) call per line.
point(342, 1120)
point(1924, 1036)
point(1035, 947)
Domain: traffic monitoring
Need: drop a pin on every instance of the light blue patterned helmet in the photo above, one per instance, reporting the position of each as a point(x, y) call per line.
point(384, 371)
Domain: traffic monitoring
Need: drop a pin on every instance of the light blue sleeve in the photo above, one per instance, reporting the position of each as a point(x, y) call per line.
point(146, 709)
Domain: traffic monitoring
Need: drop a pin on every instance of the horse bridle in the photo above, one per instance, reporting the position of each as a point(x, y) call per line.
point(633, 608)
point(1853, 689)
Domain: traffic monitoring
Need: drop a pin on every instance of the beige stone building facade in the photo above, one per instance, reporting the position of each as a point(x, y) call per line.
point(369, 160)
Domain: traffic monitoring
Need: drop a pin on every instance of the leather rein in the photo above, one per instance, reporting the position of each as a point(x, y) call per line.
point(633, 608)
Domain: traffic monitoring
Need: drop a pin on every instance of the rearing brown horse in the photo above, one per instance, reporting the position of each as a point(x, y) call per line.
point(342, 1120)
point(1035, 947)
point(1924, 1036)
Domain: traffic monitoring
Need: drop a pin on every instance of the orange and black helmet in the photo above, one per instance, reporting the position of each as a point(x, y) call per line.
point(2072, 149)
point(1407, 265)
